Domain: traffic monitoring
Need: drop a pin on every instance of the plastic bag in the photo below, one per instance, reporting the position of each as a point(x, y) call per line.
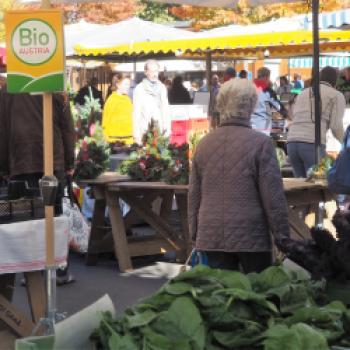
point(79, 228)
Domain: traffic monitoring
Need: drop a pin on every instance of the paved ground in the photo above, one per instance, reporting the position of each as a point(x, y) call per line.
point(92, 282)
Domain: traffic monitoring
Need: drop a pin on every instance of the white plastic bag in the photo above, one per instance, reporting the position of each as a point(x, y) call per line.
point(79, 228)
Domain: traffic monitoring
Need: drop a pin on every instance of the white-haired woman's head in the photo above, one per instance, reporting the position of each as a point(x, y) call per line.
point(237, 98)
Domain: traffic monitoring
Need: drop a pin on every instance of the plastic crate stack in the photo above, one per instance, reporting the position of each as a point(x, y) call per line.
point(181, 130)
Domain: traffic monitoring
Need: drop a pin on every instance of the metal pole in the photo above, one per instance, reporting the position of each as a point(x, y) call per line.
point(208, 68)
point(317, 98)
point(316, 79)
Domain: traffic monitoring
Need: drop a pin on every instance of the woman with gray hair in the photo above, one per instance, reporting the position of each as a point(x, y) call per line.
point(236, 193)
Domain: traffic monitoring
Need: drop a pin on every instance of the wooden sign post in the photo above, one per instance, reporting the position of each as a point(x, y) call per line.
point(36, 64)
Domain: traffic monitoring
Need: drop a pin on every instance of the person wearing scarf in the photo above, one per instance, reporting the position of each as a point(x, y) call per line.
point(150, 102)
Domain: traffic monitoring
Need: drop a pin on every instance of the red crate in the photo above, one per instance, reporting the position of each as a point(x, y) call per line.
point(200, 124)
point(180, 126)
point(179, 138)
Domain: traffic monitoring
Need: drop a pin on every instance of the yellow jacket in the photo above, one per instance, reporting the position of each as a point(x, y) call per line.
point(117, 119)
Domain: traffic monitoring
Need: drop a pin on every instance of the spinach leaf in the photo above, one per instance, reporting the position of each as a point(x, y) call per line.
point(299, 337)
point(141, 319)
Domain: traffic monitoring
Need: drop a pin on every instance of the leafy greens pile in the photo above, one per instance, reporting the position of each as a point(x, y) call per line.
point(208, 309)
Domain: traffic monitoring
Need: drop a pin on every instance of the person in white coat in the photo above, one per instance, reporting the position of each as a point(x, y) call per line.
point(150, 102)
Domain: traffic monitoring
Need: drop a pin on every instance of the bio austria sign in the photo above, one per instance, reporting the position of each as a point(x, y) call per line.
point(34, 42)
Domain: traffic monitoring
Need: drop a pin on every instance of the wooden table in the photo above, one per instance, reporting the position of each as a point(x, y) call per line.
point(101, 240)
point(139, 195)
point(14, 318)
point(22, 247)
point(302, 194)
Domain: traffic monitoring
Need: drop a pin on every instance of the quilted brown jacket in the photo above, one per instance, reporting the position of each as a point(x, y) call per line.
point(21, 134)
point(236, 195)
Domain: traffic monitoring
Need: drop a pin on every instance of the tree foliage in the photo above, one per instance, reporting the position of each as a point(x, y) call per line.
point(6, 5)
point(152, 11)
point(204, 18)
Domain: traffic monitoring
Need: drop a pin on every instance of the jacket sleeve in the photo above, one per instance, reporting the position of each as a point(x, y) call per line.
point(68, 133)
point(4, 151)
point(106, 117)
point(166, 112)
point(336, 119)
point(194, 200)
point(272, 192)
point(137, 113)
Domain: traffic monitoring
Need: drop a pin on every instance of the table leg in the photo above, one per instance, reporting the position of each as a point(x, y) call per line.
point(298, 227)
point(15, 319)
point(155, 221)
point(167, 203)
point(7, 285)
point(118, 232)
point(98, 221)
point(35, 284)
point(182, 204)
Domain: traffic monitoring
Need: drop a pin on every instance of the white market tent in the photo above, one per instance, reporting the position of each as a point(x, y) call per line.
point(130, 31)
point(77, 32)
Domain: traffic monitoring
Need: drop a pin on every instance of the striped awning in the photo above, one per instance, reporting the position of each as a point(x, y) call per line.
point(336, 19)
point(333, 61)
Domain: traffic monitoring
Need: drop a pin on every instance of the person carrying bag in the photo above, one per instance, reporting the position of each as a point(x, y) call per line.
point(339, 175)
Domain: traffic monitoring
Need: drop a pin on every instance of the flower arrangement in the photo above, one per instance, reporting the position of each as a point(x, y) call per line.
point(179, 165)
point(93, 155)
point(86, 116)
point(148, 162)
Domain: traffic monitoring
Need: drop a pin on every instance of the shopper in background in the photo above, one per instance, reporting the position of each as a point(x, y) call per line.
point(262, 116)
point(229, 74)
point(150, 102)
point(178, 94)
point(298, 84)
point(113, 85)
point(284, 86)
point(214, 90)
point(243, 74)
point(236, 196)
point(117, 113)
point(343, 83)
point(301, 135)
point(90, 91)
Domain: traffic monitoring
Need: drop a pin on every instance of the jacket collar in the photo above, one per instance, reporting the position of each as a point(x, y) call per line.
point(244, 122)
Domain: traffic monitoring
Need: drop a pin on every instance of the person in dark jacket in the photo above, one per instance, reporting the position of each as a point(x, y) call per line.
point(21, 144)
point(89, 90)
point(236, 195)
point(178, 94)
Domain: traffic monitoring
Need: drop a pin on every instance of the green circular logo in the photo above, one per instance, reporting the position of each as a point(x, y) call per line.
point(34, 42)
